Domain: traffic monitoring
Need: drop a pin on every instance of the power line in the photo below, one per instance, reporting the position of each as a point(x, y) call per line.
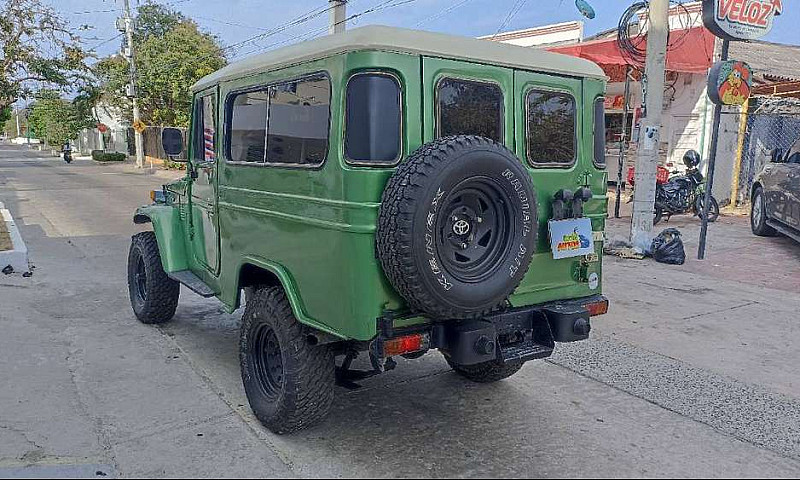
point(511, 14)
point(441, 13)
point(106, 41)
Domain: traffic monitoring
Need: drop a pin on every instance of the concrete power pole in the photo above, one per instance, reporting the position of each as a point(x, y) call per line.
point(649, 135)
point(138, 141)
point(337, 16)
point(16, 115)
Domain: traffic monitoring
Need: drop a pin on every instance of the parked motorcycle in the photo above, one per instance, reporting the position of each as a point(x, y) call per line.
point(67, 150)
point(684, 193)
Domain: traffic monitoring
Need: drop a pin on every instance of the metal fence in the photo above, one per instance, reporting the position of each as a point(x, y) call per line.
point(92, 139)
point(771, 123)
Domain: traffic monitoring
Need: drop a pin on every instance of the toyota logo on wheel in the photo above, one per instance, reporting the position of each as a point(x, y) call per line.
point(461, 227)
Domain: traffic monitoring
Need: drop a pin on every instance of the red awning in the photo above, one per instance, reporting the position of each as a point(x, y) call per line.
point(691, 51)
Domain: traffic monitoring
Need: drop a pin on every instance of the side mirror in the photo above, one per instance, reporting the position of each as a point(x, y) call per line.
point(172, 141)
point(776, 155)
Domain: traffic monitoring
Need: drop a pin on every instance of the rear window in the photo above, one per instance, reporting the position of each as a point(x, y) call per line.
point(466, 107)
point(600, 133)
point(373, 124)
point(550, 128)
point(281, 124)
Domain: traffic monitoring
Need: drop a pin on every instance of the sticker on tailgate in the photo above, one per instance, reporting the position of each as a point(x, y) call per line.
point(571, 237)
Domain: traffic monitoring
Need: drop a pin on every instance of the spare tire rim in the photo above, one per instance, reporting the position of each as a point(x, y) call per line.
point(473, 229)
point(267, 361)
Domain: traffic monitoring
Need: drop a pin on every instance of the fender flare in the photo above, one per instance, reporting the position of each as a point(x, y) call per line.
point(169, 232)
point(284, 279)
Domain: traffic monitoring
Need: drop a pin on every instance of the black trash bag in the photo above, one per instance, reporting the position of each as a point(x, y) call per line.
point(667, 247)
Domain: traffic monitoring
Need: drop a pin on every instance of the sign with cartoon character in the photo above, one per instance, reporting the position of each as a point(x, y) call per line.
point(740, 19)
point(729, 82)
point(571, 238)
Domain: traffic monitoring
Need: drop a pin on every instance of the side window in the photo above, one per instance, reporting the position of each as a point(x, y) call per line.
point(600, 133)
point(466, 107)
point(373, 124)
point(204, 130)
point(298, 125)
point(550, 128)
point(247, 132)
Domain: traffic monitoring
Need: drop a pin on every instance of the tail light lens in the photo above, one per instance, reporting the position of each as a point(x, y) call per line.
point(406, 344)
point(598, 307)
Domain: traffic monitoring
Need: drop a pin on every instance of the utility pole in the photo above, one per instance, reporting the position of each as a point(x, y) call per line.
point(644, 192)
point(138, 141)
point(337, 17)
point(16, 115)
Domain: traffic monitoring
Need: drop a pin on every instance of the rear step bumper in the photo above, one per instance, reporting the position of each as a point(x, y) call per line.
point(514, 335)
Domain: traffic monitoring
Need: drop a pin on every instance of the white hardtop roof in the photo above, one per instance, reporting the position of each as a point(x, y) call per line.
point(407, 41)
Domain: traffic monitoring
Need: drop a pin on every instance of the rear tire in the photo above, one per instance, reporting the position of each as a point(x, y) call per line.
point(154, 296)
point(289, 382)
point(758, 215)
point(487, 372)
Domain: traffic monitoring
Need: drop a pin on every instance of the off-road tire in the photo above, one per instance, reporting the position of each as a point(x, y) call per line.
point(423, 195)
point(758, 220)
point(305, 394)
point(155, 297)
point(487, 372)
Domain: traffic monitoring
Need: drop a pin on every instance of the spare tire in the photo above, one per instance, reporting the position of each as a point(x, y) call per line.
point(457, 227)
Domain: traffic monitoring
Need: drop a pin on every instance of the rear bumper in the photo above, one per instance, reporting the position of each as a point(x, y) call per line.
point(513, 335)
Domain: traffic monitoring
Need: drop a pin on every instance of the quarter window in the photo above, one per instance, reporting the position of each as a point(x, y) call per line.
point(204, 129)
point(283, 124)
point(469, 108)
point(373, 120)
point(600, 133)
point(550, 128)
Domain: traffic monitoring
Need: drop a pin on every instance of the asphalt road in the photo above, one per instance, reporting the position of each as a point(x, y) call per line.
point(692, 374)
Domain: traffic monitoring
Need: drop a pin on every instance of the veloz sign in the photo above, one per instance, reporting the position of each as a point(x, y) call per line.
point(740, 19)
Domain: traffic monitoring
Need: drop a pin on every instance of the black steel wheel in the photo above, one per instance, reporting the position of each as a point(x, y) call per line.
point(288, 380)
point(457, 227)
point(153, 295)
point(473, 229)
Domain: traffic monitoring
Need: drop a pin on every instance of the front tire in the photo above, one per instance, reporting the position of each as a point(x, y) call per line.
point(154, 296)
point(713, 210)
point(288, 381)
point(758, 215)
point(486, 372)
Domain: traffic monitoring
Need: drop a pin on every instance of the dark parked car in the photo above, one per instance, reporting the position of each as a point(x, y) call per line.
point(776, 195)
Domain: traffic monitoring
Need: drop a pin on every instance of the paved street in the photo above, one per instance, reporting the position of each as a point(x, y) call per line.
point(692, 374)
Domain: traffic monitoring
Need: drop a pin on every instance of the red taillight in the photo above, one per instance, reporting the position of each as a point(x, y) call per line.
point(406, 344)
point(598, 307)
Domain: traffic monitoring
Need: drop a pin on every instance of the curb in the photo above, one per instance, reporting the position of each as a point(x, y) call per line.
point(17, 257)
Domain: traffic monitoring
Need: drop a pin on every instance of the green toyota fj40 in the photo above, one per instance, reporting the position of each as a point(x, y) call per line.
point(385, 191)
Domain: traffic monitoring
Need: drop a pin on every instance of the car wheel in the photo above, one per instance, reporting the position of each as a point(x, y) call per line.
point(486, 372)
point(154, 296)
point(758, 215)
point(289, 381)
point(457, 227)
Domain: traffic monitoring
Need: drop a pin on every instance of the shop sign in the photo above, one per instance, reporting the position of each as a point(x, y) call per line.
point(729, 82)
point(740, 19)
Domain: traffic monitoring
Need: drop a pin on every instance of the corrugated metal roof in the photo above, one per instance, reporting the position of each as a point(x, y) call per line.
point(407, 41)
point(774, 61)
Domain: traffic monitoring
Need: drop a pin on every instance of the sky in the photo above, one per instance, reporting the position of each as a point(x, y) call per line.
point(234, 21)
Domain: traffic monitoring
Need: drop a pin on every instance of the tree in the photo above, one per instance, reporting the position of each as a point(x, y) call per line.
point(38, 49)
point(171, 56)
point(56, 120)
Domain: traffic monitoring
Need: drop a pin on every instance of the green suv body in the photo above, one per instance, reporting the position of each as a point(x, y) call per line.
point(321, 180)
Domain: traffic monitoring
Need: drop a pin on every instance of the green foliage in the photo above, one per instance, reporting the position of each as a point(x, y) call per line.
point(101, 156)
point(38, 49)
point(56, 120)
point(171, 55)
point(5, 114)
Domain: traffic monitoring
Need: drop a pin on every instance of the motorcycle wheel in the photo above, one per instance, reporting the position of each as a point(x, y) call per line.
point(713, 210)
